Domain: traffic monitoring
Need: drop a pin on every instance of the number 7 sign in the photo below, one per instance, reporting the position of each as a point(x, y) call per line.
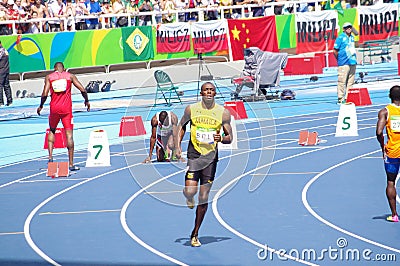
point(98, 149)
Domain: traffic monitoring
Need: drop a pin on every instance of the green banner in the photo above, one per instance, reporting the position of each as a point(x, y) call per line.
point(285, 31)
point(137, 43)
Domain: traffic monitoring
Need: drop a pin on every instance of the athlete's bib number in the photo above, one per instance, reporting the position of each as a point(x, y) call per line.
point(59, 85)
point(205, 135)
point(395, 123)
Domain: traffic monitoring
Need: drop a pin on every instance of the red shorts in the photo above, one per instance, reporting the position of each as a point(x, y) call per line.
point(66, 120)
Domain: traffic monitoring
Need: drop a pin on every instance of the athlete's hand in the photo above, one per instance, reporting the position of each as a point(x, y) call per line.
point(178, 154)
point(87, 104)
point(38, 110)
point(147, 160)
point(217, 137)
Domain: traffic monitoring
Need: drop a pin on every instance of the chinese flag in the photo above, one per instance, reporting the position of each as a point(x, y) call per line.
point(257, 32)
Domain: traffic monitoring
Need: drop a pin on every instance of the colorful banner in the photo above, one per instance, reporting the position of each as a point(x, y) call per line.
point(285, 31)
point(137, 43)
point(173, 37)
point(378, 22)
point(314, 29)
point(257, 32)
point(209, 36)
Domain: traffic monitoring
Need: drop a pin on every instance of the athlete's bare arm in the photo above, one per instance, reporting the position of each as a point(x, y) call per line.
point(45, 93)
point(380, 126)
point(153, 138)
point(226, 127)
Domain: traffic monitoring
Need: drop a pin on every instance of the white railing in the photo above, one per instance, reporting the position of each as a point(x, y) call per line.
point(245, 11)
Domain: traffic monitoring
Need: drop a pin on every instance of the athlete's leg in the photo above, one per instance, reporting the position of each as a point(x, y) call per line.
point(50, 143)
point(202, 207)
point(391, 168)
point(53, 122)
point(190, 188)
point(206, 180)
point(67, 121)
point(391, 192)
point(70, 146)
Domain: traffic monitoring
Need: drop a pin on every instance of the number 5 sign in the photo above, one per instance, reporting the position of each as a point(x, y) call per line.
point(98, 149)
point(347, 121)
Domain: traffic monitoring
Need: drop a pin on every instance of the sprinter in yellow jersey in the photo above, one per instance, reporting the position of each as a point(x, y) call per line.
point(389, 117)
point(206, 121)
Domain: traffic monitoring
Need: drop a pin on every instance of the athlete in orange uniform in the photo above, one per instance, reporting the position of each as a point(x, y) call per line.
point(59, 84)
point(389, 117)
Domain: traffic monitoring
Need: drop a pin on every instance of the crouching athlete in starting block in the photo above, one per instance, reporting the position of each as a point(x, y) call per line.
point(164, 136)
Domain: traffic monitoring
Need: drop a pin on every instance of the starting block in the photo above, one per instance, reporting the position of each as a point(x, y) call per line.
point(358, 96)
point(131, 126)
point(307, 138)
point(236, 108)
point(60, 139)
point(58, 169)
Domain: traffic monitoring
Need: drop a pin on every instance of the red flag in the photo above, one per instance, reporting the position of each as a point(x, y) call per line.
point(173, 38)
point(209, 35)
point(257, 32)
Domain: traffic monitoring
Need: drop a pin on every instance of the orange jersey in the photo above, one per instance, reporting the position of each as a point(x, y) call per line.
point(392, 147)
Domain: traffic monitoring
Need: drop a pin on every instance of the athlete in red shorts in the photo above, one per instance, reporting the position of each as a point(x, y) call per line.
point(59, 85)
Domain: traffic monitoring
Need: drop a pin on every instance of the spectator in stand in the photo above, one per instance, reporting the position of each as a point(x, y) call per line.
point(80, 10)
point(94, 9)
point(24, 14)
point(12, 14)
point(145, 6)
point(41, 11)
point(192, 16)
point(70, 13)
point(169, 17)
point(34, 26)
point(133, 9)
point(55, 9)
point(157, 9)
point(119, 8)
point(212, 12)
point(106, 9)
point(278, 8)
point(3, 17)
point(180, 5)
point(227, 12)
point(237, 13)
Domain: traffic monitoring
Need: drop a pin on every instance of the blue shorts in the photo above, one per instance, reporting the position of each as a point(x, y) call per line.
point(392, 165)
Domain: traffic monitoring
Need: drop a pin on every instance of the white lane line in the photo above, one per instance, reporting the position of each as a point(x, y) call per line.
point(28, 220)
point(11, 233)
point(124, 224)
point(35, 210)
point(236, 179)
point(150, 248)
point(21, 179)
point(79, 212)
point(313, 213)
point(53, 180)
point(290, 173)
